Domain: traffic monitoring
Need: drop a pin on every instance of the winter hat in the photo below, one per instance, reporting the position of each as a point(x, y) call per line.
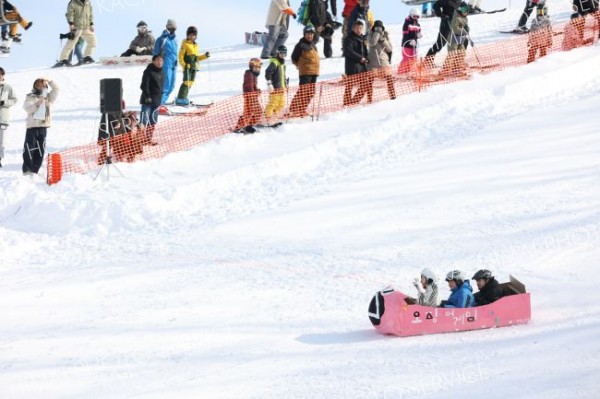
point(379, 24)
point(359, 22)
point(142, 23)
point(309, 29)
point(171, 24)
point(192, 30)
point(464, 8)
point(415, 12)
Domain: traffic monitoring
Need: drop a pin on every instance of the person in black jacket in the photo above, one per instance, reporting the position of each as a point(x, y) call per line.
point(321, 19)
point(444, 9)
point(357, 65)
point(152, 86)
point(489, 289)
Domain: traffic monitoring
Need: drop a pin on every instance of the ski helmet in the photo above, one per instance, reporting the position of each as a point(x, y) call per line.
point(192, 30)
point(415, 12)
point(429, 275)
point(255, 63)
point(455, 275)
point(309, 29)
point(282, 50)
point(483, 274)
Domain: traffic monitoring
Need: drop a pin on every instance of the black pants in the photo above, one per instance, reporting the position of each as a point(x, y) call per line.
point(304, 95)
point(442, 38)
point(33, 149)
point(529, 6)
point(327, 50)
point(130, 52)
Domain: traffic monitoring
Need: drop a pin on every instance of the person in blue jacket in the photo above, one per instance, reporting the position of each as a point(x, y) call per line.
point(462, 293)
point(166, 45)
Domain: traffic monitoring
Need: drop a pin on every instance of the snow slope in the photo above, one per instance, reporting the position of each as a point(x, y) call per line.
point(243, 268)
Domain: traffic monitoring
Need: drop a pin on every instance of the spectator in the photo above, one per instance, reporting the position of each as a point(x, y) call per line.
point(152, 89)
point(356, 65)
point(7, 100)
point(166, 46)
point(411, 33)
point(461, 295)
point(380, 48)
point(38, 105)
point(278, 21)
point(80, 17)
point(306, 58)
point(143, 43)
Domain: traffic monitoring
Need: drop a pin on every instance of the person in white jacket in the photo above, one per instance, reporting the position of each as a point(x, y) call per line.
point(38, 105)
point(427, 288)
point(278, 22)
point(7, 100)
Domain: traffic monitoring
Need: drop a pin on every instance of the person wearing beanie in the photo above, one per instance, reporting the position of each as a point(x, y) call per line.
point(80, 17)
point(306, 58)
point(411, 33)
point(189, 58)
point(143, 43)
point(166, 46)
point(7, 100)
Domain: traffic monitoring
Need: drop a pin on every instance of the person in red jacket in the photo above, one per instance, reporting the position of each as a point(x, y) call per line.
point(349, 6)
point(252, 110)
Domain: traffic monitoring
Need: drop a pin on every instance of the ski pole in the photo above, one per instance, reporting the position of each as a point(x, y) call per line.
point(212, 100)
point(320, 97)
point(475, 51)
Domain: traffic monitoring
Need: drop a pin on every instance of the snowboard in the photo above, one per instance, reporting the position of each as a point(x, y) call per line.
point(516, 31)
point(170, 109)
point(256, 128)
point(133, 60)
point(487, 12)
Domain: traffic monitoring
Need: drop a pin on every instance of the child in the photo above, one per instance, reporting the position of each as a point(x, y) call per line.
point(276, 82)
point(427, 289)
point(252, 109)
point(189, 57)
point(540, 34)
point(411, 33)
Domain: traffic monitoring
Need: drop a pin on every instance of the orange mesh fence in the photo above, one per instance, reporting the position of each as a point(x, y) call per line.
point(185, 131)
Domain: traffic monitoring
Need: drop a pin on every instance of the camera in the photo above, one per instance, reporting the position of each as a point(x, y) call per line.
point(70, 36)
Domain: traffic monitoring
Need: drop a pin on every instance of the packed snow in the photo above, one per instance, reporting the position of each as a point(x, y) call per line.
point(243, 268)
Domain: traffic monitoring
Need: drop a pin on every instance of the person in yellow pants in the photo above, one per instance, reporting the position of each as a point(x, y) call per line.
point(276, 83)
point(189, 57)
point(12, 14)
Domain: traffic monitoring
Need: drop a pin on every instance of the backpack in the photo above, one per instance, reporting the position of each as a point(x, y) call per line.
point(304, 13)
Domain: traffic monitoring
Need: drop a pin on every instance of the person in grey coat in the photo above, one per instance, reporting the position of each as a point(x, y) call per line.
point(278, 21)
point(380, 48)
point(7, 100)
point(143, 43)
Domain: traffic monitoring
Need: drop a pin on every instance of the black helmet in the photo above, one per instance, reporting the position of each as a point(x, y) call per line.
point(309, 29)
point(192, 30)
point(483, 274)
point(282, 50)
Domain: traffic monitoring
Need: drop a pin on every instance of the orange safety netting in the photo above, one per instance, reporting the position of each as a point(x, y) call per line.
point(182, 132)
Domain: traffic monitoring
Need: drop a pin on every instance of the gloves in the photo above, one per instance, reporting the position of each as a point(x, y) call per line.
point(92, 28)
point(270, 86)
point(71, 26)
point(364, 61)
point(207, 54)
point(412, 42)
point(418, 285)
point(138, 49)
point(378, 29)
point(294, 16)
point(2, 103)
point(148, 100)
point(419, 35)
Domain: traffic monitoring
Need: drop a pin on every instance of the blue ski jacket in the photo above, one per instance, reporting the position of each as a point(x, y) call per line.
point(166, 44)
point(461, 297)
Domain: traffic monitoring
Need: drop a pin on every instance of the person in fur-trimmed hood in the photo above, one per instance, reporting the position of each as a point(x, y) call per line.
point(306, 58)
point(380, 49)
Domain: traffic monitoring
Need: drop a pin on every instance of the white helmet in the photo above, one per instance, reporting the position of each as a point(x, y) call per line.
point(455, 275)
point(415, 12)
point(429, 275)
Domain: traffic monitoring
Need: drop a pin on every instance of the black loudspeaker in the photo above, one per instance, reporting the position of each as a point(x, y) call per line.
point(111, 96)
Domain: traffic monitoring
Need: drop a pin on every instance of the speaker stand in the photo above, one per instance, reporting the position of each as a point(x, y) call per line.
point(108, 162)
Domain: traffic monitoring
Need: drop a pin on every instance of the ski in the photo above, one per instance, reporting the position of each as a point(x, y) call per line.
point(488, 12)
point(516, 31)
